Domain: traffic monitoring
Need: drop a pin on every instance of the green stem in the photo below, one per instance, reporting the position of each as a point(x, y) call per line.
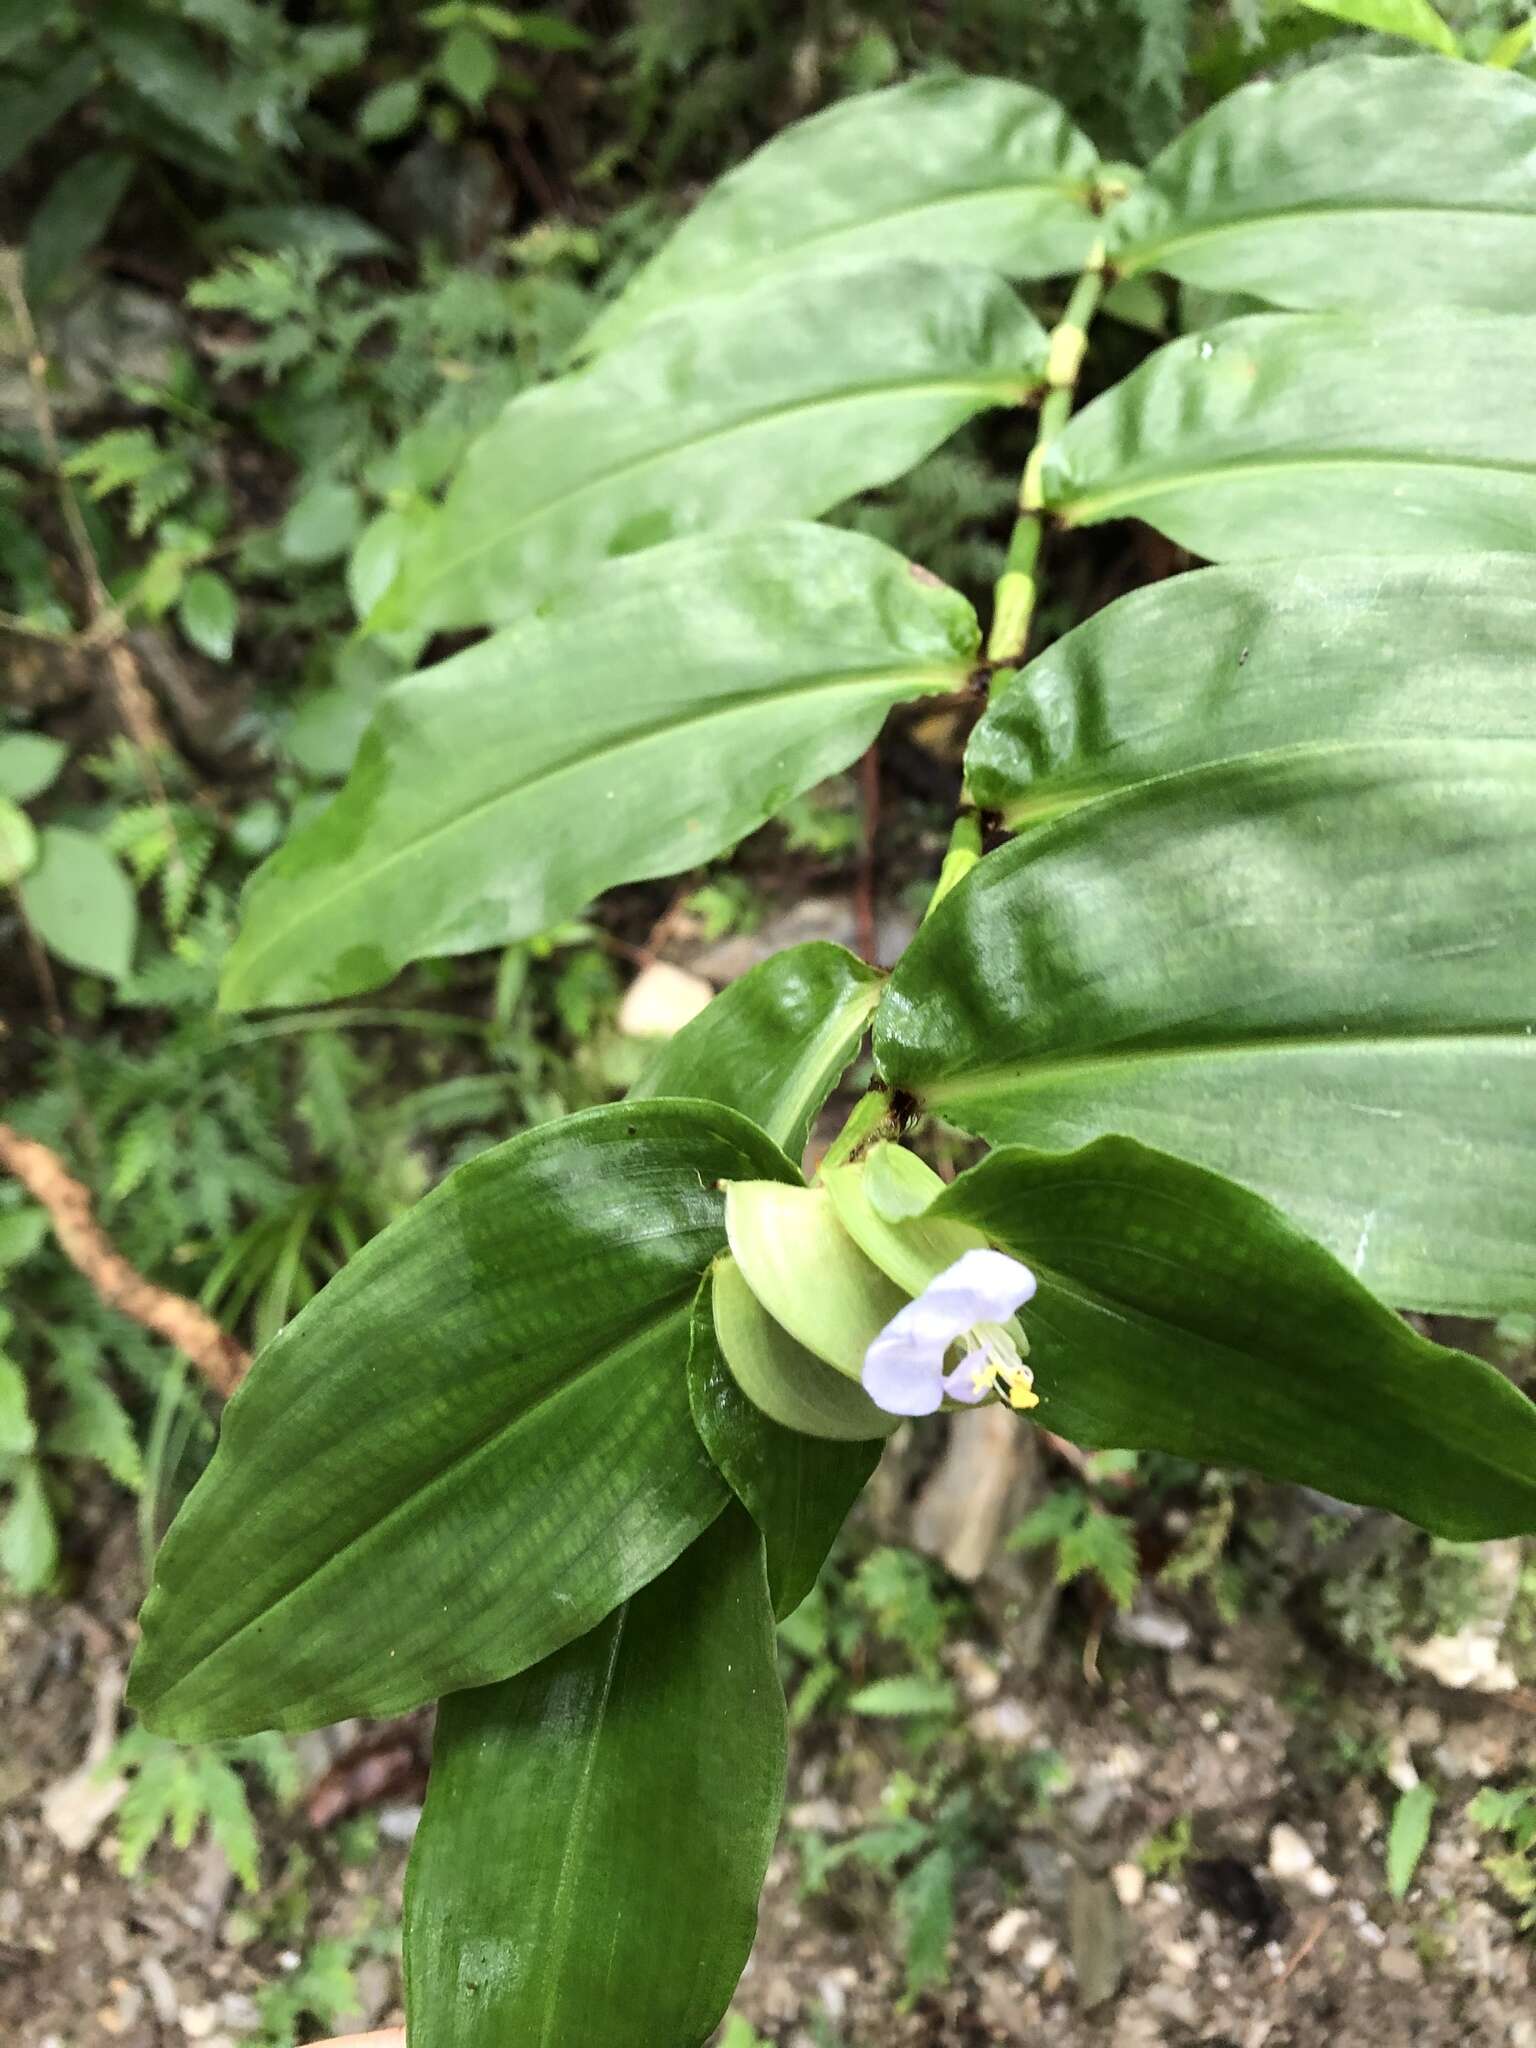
point(1013, 611)
point(1014, 600)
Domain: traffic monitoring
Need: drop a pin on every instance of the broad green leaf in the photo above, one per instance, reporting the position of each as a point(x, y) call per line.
point(389, 110)
point(782, 1381)
point(775, 402)
point(775, 1043)
point(1225, 664)
point(797, 1488)
point(1408, 1837)
point(473, 1444)
point(72, 218)
point(29, 107)
point(1314, 434)
point(29, 1537)
point(29, 763)
point(629, 729)
point(321, 523)
point(1314, 972)
point(18, 843)
point(80, 902)
point(970, 170)
point(468, 63)
point(209, 613)
point(597, 1831)
point(1326, 190)
point(1177, 1312)
point(1414, 19)
point(904, 1698)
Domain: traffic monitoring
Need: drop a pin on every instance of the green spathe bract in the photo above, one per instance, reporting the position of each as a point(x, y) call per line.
point(1248, 1006)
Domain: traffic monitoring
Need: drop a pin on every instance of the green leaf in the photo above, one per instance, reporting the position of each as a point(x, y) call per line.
point(18, 843)
point(904, 1698)
point(1415, 19)
point(925, 1901)
point(468, 64)
point(597, 1831)
point(1364, 651)
point(1408, 1837)
point(30, 762)
point(29, 1539)
point(1513, 45)
point(321, 523)
point(81, 904)
point(490, 1400)
point(1313, 434)
point(798, 1488)
point(775, 1043)
point(1178, 1312)
point(95, 1424)
point(1105, 1545)
point(389, 110)
point(628, 730)
point(1321, 192)
point(74, 215)
point(29, 106)
point(969, 170)
point(209, 613)
point(776, 402)
point(1314, 972)
point(18, 1432)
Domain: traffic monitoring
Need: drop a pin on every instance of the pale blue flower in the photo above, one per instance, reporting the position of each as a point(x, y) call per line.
point(972, 1299)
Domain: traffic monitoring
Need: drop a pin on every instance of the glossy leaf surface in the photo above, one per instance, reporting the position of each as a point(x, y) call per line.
point(775, 1043)
point(1315, 973)
point(777, 402)
point(1316, 433)
point(468, 1449)
point(1378, 181)
point(971, 170)
point(798, 1487)
point(596, 1831)
point(1180, 1313)
point(1229, 663)
point(636, 727)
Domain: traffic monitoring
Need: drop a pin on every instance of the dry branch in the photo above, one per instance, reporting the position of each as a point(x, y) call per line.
point(218, 1356)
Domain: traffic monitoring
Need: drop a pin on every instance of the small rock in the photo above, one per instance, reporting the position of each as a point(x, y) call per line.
point(1400, 1964)
point(980, 1679)
point(1005, 1931)
point(399, 1823)
point(1045, 1872)
point(1422, 1727)
point(1097, 1933)
point(77, 1808)
point(1320, 1883)
point(1174, 2002)
point(241, 2014)
point(1151, 1627)
point(1187, 1676)
point(661, 1000)
point(1006, 1724)
point(821, 1816)
point(1040, 1954)
point(1090, 1808)
point(1182, 1955)
point(1130, 1883)
point(1399, 1763)
point(163, 1995)
point(1289, 1855)
point(1470, 1660)
point(199, 2021)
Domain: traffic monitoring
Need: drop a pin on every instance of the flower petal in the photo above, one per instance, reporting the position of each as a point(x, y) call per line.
point(969, 1382)
point(903, 1374)
point(982, 1286)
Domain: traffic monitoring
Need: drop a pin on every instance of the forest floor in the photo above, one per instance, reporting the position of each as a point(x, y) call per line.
point(1202, 1861)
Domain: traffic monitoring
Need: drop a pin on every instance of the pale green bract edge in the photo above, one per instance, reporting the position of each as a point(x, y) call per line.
point(1313, 433)
point(1319, 191)
point(1230, 663)
point(778, 402)
point(982, 170)
point(631, 729)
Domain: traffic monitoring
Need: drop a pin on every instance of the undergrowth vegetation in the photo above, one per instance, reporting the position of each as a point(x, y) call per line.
point(281, 266)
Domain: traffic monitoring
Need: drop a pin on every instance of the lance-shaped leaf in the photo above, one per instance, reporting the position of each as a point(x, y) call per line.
point(970, 170)
point(631, 729)
point(1225, 664)
point(775, 1043)
point(1377, 181)
point(1314, 972)
point(1316, 433)
point(596, 1831)
point(1177, 1312)
point(775, 402)
point(798, 1488)
point(468, 1449)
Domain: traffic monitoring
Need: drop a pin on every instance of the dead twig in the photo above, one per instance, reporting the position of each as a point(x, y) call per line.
point(218, 1356)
